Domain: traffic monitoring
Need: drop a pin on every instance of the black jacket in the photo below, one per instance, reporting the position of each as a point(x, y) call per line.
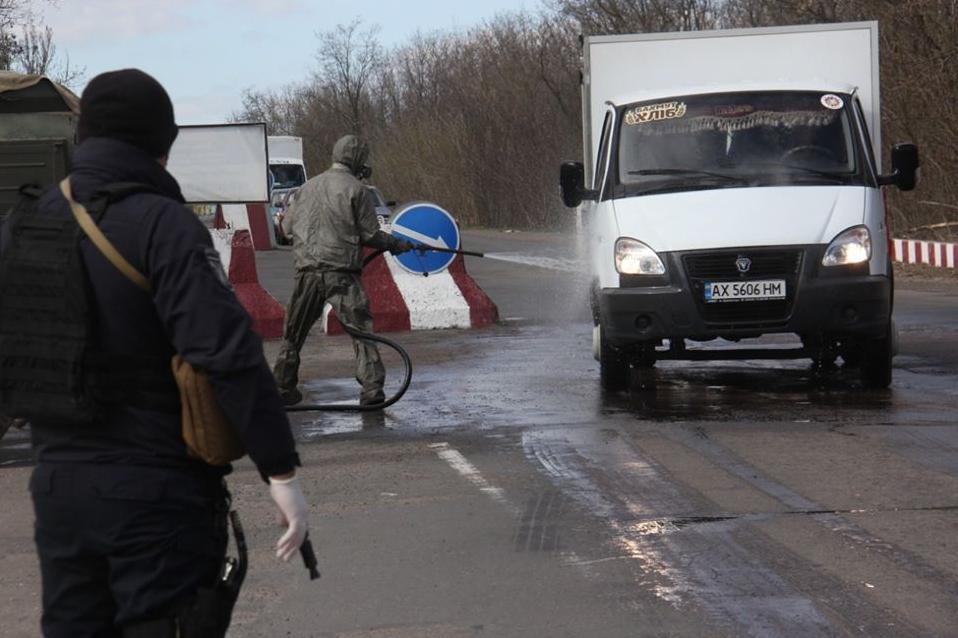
point(191, 311)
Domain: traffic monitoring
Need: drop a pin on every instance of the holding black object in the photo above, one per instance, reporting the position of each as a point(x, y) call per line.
point(309, 558)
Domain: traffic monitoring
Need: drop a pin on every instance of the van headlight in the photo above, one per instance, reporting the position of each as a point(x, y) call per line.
point(852, 246)
point(632, 257)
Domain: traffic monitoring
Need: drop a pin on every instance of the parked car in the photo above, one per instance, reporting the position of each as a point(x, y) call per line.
point(279, 204)
point(384, 209)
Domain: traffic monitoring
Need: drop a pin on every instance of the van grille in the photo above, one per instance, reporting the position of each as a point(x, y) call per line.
point(765, 264)
point(714, 266)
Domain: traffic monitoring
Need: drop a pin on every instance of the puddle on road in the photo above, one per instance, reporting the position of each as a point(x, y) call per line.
point(534, 375)
point(769, 392)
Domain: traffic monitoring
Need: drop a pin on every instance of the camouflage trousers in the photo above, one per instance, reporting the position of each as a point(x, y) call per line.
point(344, 292)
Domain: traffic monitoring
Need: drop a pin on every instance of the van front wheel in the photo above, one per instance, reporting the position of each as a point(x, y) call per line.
point(613, 367)
point(876, 356)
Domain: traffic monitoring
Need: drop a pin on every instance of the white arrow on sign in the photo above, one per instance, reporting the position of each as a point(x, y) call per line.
point(435, 242)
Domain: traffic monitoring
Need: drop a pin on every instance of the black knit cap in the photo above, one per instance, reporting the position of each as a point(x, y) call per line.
point(131, 106)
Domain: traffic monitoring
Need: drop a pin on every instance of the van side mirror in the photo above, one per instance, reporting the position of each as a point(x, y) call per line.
point(904, 164)
point(391, 203)
point(572, 181)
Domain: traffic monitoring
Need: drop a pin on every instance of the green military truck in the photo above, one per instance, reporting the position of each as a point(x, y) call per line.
point(37, 132)
point(38, 120)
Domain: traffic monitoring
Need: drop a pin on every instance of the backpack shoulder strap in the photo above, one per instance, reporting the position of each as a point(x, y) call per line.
point(100, 241)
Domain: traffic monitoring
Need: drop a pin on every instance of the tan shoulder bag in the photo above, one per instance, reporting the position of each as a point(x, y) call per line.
point(206, 431)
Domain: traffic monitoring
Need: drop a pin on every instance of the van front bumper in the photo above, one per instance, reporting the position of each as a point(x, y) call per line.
point(820, 301)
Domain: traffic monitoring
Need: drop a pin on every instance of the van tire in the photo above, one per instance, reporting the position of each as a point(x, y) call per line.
point(876, 362)
point(613, 368)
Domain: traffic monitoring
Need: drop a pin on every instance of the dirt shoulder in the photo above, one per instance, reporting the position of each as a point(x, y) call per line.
point(926, 278)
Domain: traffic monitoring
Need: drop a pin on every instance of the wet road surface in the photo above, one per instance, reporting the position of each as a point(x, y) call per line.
point(507, 495)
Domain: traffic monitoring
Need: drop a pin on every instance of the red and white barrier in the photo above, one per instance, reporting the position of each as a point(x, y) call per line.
point(932, 253)
point(239, 260)
point(400, 300)
point(251, 217)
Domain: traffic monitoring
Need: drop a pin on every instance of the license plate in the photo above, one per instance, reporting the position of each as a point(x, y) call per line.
point(744, 290)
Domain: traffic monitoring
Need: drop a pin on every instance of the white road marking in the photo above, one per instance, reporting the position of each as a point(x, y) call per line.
point(469, 471)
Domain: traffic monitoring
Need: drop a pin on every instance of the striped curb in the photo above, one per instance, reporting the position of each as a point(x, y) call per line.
point(931, 253)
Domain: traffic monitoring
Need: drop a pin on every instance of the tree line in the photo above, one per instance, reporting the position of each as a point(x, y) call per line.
point(480, 119)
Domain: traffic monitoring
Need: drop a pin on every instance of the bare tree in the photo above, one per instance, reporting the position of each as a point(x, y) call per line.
point(349, 59)
point(10, 15)
point(642, 16)
point(37, 54)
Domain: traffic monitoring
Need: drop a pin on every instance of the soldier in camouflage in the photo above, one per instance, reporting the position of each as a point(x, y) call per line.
point(330, 222)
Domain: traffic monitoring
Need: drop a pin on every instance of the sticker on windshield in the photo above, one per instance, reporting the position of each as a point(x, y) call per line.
point(832, 101)
point(654, 113)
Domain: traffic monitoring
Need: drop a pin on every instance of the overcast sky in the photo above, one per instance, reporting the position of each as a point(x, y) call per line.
point(205, 52)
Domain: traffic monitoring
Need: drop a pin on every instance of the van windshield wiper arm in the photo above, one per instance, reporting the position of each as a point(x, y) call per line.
point(817, 171)
point(804, 169)
point(688, 171)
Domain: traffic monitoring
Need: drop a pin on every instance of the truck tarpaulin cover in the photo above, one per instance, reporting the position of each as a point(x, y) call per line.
point(221, 163)
point(11, 81)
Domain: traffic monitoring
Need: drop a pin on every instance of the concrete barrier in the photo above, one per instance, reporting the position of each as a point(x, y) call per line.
point(400, 300)
point(239, 260)
point(250, 217)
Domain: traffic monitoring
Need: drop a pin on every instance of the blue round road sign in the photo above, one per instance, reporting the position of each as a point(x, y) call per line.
point(427, 224)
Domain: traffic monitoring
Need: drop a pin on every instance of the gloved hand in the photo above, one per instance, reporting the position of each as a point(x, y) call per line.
point(288, 496)
point(399, 246)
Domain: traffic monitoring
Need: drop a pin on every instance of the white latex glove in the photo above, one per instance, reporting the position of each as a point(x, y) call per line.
point(288, 496)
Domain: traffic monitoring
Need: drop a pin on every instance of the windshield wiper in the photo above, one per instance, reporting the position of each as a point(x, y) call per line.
point(818, 171)
point(805, 169)
point(689, 171)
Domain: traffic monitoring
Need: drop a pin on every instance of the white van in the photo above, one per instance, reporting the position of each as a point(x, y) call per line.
point(732, 188)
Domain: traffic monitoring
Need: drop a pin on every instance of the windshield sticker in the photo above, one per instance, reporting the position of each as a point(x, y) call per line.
point(655, 112)
point(832, 101)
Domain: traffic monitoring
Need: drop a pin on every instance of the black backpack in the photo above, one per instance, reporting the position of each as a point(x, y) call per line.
point(50, 369)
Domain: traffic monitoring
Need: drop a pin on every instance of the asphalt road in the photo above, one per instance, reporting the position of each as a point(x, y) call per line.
point(506, 495)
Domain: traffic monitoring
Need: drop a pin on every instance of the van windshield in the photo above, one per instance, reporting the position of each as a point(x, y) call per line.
point(287, 175)
point(737, 139)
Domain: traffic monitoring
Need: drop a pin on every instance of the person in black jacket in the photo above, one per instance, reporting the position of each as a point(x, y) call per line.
point(129, 526)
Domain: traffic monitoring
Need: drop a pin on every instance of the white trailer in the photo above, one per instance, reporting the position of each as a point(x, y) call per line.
point(731, 188)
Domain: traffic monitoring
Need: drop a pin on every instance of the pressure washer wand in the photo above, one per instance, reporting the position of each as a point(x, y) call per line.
point(423, 248)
